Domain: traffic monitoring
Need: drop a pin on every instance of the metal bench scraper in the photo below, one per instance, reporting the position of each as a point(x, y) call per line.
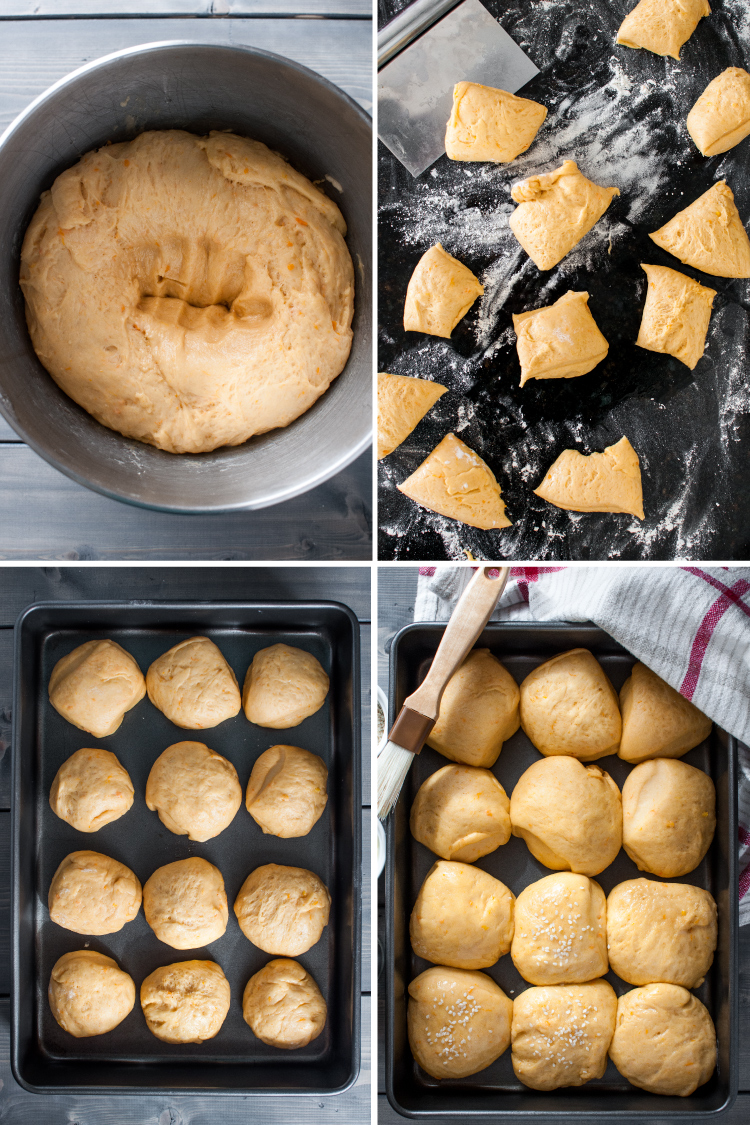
point(416, 79)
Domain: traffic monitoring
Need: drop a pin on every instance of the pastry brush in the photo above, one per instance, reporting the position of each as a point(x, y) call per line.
point(419, 713)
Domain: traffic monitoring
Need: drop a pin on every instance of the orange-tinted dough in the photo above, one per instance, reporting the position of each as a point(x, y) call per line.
point(440, 293)
point(402, 404)
point(455, 482)
point(559, 341)
point(720, 119)
point(676, 315)
point(662, 26)
point(709, 235)
point(600, 482)
point(490, 124)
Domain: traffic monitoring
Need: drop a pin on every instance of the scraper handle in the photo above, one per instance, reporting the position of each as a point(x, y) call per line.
point(404, 28)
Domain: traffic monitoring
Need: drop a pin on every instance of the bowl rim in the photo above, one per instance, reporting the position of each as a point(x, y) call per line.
point(313, 479)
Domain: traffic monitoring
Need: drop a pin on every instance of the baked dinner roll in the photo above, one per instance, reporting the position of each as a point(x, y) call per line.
point(188, 291)
point(490, 124)
point(193, 685)
point(185, 903)
point(662, 26)
point(89, 994)
point(561, 930)
point(463, 917)
point(283, 910)
point(195, 791)
point(669, 816)
point(455, 482)
point(661, 932)
point(458, 1021)
point(570, 815)
point(186, 1002)
point(657, 722)
point(286, 793)
point(568, 706)
point(283, 1005)
point(91, 789)
point(461, 813)
point(664, 1040)
point(478, 711)
point(93, 894)
point(561, 1033)
point(403, 402)
point(283, 686)
point(708, 234)
point(94, 685)
point(440, 293)
point(720, 119)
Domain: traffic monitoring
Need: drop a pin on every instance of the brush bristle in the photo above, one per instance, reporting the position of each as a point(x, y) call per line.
point(393, 766)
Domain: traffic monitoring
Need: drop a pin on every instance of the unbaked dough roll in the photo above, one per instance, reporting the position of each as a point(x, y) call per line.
point(91, 893)
point(490, 124)
point(402, 404)
point(708, 235)
point(720, 119)
point(657, 722)
point(283, 686)
point(283, 910)
point(440, 293)
point(669, 817)
point(91, 789)
point(195, 791)
point(559, 341)
point(478, 711)
point(662, 26)
point(561, 1033)
point(560, 934)
point(461, 813)
point(94, 685)
point(283, 1005)
point(463, 917)
point(89, 994)
point(568, 706)
point(185, 903)
point(286, 793)
point(595, 482)
point(186, 1002)
point(193, 685)
point(676, 315)
point(455, 482)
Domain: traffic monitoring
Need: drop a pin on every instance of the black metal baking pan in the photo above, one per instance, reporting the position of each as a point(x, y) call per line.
point(496, 1092)
point(130, 1059)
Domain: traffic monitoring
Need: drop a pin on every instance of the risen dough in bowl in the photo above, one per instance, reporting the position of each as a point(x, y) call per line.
point(193, 685)
point(568, 706)
point(185, 903)
point(283, 910)
point(463, 917)
point(478, 711)
point(188, 291)
point(668, 816)
point(94, 685)
point(89, 994)
point(561, 1033)
point(91, 893)
point(185, 1002)
point(283, 1005)
point(461, 813)
point(283, 686)
point(286, 793)
point(91, 789)
point(195, 791)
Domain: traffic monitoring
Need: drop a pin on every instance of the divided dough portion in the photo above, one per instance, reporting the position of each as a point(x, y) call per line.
point(458, 1021)
point(555, 211)
point(596, 482)
point(559, 341)
point(193, 685)
point(669, 816)
point(402, 404)
point(568, 706)
point(186, 1002)
point(478, 711)
point(94, 685)
point(440, 293)
point(657, 722)
point(89, 994)
point(561, 930)
point(283, 910)
point(91, 893)
point(283, 1005)
point(455, 482)
point(91, 789)
point(676, 315)
point(283, 686)
point(490, 124)
point(708, 235)
point(720, 119)
point(461, 813)
point(463, 917)
point(185, 903)
point(662, 26)
point(286, 793)
point(195, 791)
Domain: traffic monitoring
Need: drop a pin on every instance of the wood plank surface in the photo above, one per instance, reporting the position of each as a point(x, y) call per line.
point(66, 9)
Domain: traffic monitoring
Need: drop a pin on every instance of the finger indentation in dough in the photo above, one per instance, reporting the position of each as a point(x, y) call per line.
point(559, 341)
point(455, 482)
point(440, 293)
point(490, 124)
point(598, 482)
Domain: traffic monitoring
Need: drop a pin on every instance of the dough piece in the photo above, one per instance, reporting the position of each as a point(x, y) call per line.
point(490, 124)
point(555, 211)
point(657, 722)
point(458, 1022)
point(195, 791)
point(461, 813)
point(708, 235)
point(669, 817)
point(185, 903)
point(283, 686)
point(93, 894)
point(561, 1034)
point(676, 315)
point(559, 341)
point(720, 119)
point(661, 932)
point(188, 291)
point(89, 994)
point(463, 917)
point(402, 404)
point(440, 293)
point(596, 482)
point(570, 815)
point(664, 1041)
point(286, 793)
point(94, 685)
point(455, 482)
point(283, 1005)
point(186, 1002)
point(561, 930)
point(662, 26)
point(91, 789)
point(193, 685)
point(283, 910)
point(568, 706)
point(478, 711)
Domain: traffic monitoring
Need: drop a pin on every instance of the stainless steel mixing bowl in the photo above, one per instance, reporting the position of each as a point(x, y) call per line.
point(198, 87)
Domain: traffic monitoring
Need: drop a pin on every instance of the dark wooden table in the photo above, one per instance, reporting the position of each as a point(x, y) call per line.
point(397, 587)
point(19, 587)
point(43, 514)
